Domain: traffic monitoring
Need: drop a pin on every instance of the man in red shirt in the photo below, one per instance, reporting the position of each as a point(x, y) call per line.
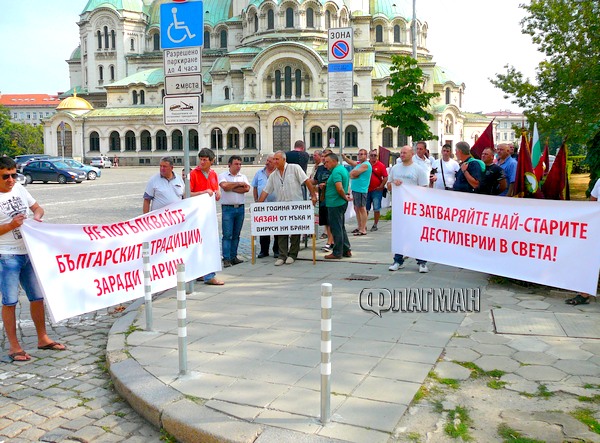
point(379, 177)
point(203, 180)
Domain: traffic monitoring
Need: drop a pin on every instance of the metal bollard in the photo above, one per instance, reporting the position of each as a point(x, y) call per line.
point(147, 286)
point(326, 304)
point(181, 319)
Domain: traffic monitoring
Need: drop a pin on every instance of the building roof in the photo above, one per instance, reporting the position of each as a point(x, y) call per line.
point(74, 103)
point(442, 76)
point(29, 100)
point(506, 113)
point(118, 5)
point(147, 77)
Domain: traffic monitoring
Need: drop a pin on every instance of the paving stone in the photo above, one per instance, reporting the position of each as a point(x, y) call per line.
point(460, 354)
point(485, 349)
point(533, 344)
point(451, 370)
point(534, 304)
point(15, 429)
point(489, 338)
point(577, 367)
point(534, 358)
point(569, 351)
point(89, 433)
point(491, 362)
point(519, 384)
point(540, 373)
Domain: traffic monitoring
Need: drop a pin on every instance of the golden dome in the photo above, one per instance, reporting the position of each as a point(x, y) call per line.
point(74, 104)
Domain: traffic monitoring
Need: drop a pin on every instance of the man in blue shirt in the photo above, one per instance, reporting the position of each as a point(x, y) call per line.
point(509, 164)
point(258, 184)
point(361, 177)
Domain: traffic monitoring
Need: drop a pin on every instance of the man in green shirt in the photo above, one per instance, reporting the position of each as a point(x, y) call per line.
point(336, 200)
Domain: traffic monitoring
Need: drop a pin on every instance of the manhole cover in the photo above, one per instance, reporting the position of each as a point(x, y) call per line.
point(362, 277)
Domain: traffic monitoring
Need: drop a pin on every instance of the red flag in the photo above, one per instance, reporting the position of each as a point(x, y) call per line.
point(543, 166)
point(384, 155)
point(485, 140)
point(556, 186)
point(526, 184)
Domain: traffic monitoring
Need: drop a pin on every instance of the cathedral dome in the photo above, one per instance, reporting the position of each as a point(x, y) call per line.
point(118, 5)
point(75, 104)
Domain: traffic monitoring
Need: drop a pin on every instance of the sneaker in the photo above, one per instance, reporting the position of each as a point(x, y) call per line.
point(374, 228)
point(289, 261)
point(423, 268)
point(279, 262)
point(327, 248)
point(227, 264)
point(395, 266)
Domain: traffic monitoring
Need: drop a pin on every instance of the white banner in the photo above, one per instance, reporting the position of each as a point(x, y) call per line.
point(554, 243)
point(282, 218)
point(83, 268)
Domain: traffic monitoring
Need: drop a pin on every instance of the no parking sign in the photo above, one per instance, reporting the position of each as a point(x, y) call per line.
point(341, 48)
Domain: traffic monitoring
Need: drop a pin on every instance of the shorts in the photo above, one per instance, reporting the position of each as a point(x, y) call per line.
point(15, 269)
point(374, 198)
point(359, 199)
point(323, 217)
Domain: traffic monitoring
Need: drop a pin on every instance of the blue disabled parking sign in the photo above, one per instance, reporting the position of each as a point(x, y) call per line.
point(181, 24)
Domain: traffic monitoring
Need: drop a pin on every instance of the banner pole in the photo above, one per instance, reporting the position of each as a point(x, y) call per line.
point(326, 304)
point(147, 286)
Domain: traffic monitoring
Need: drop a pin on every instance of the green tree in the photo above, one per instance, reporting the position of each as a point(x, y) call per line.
point(19, 138)
point(564, 97)
point(407, 106)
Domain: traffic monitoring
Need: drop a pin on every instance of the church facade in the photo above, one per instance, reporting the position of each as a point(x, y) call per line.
point(264, 72)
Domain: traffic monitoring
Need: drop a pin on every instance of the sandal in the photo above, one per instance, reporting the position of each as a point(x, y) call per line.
point(54, 346)
point(19, 356)
point(578, 300)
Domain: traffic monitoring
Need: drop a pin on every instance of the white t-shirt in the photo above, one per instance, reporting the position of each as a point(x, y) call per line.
point(424, 163)
point(450, 168)
point(163, 192)
point(287, 187)
point(596, 191)
point(410, 175)
point(17, 201)
point(230, 197)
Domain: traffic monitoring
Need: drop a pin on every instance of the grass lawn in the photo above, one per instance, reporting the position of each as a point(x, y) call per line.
point(578, 185)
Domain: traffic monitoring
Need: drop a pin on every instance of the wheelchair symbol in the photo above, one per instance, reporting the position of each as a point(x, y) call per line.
point(178, 26)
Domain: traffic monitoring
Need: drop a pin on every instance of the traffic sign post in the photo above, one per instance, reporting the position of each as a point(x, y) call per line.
point(340, 73)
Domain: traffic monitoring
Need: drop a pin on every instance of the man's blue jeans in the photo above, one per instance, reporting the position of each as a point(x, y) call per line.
point(399, 258)
point(232, 222)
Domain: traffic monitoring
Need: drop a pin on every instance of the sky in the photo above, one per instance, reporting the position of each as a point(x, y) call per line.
point(472, 39)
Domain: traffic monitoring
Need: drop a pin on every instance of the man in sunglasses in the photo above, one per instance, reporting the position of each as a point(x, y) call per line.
point(15, 266)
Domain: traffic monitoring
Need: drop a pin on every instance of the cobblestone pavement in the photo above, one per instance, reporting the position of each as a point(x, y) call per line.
point(66, 396)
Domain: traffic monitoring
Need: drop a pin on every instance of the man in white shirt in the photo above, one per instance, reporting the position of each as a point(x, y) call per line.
point(163, 188)
point(445, 170)
point(16, 203)
point(234, 185)
point(421, 159)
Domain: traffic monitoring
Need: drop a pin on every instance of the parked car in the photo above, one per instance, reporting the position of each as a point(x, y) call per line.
point(21, 160)
point(91, 171)
point(21, 179)
point(52, 171)
point(101, 162)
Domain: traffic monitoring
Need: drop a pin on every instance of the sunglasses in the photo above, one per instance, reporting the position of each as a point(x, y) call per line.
point(7, 176)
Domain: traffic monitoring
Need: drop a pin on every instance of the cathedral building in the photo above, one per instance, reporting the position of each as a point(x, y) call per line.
point(264, 75)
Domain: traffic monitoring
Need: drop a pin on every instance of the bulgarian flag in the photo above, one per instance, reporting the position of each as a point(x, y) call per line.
point(536, 147)
point(526, 183)
point(543, 165)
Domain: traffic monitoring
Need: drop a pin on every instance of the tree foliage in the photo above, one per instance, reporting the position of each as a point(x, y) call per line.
point(407, 106)
point(564, 97)
point(19, 138)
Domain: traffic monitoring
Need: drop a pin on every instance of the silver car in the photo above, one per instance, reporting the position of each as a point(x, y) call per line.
point(101, 162)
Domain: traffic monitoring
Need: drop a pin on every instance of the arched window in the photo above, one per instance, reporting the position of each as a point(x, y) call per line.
point(327, 19)
point(316, 137)
point(94, 141)
point(132, 44)
point(289, 18)
point(100, 73)
point(206, 39)
point(156, 41)
point(224, 39)
point(388, 138)
point(112, 72)
point(270, 19)
point(233, 138)
point(278, 84)
point(447, 96)
point(99, 35)
point(397, 34)
point(288, 82)
point(106, 37)
point(129, 141)
point(113, 39)
point(146, 141)
point(216, 139)
point(402, 138)
point(310, 18)
point(114, 141)
point(333, 135)
point(161, 140)
point(250, 138)
point(355, 90)
point(177, 140)
point(193, 140)
point(351, 137)
point(226, 92)
point(379, 34)
point(135, 97)
point(142, 97)
point(298, 81)
point(255, 22)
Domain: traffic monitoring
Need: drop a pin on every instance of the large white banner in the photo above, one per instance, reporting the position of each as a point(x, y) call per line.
point(554, 243)
point(83, 268)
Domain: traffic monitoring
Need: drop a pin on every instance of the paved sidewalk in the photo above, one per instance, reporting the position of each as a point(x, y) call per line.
point(254, 349)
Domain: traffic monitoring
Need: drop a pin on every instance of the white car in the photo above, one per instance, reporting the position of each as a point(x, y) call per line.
point(101, 162)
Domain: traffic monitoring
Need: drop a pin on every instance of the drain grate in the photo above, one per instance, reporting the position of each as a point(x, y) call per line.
point(362, 277)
